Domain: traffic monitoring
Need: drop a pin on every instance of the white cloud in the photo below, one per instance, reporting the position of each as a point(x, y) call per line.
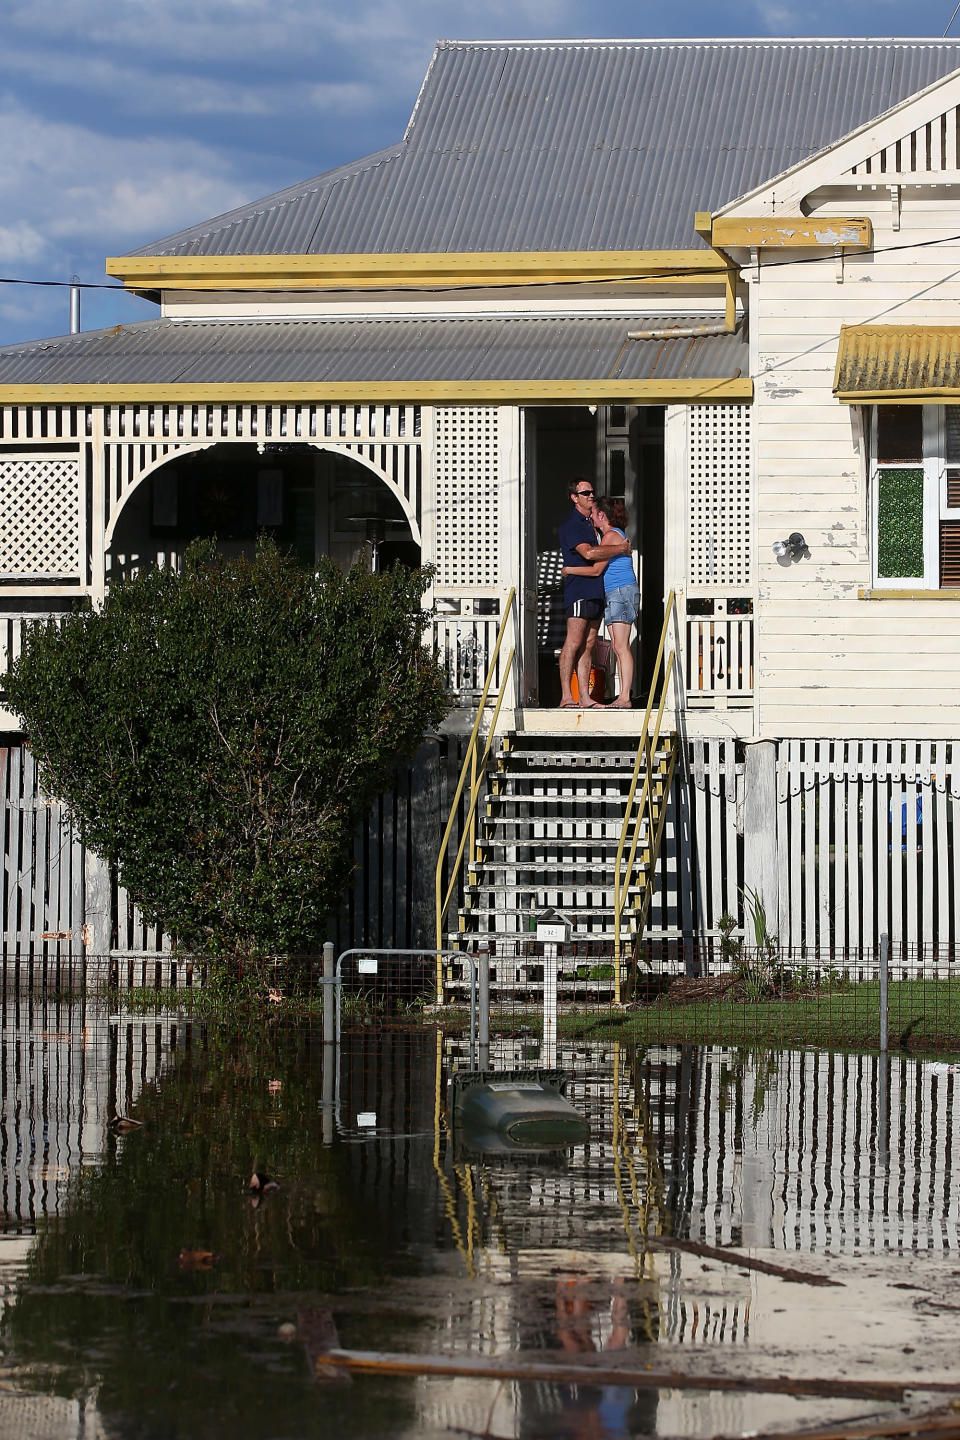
point(20, 242)
point(252, 29)
point(139, 86)
point(143, 206)
point(90, 184)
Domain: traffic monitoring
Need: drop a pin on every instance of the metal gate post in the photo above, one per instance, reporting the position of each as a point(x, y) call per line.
point(483, 983)
point(330, 1029)
point(331, 1050)
point(884, 975)
point(548, 1054)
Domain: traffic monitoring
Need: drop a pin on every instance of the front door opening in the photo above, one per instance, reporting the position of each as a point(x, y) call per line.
point(619, 448)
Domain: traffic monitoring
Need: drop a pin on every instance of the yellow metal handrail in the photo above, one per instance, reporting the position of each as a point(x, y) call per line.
point(477, 772)
point(646, 749)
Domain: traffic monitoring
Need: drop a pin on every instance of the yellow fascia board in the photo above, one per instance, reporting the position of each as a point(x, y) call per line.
point(435, 392)
point(786, 232)
point(703, 224)
point(899, 397)
point(366, 272)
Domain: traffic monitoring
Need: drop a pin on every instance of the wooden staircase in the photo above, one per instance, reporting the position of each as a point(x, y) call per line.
point(562, 822)
point(556, 819)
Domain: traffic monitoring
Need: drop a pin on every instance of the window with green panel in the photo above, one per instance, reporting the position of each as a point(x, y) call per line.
point(900, 523)
point(916, 473)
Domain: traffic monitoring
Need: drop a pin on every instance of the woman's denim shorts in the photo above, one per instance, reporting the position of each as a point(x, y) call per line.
point(623, 605)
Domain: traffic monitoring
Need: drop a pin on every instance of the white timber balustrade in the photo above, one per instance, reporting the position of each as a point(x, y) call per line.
point(719, 662)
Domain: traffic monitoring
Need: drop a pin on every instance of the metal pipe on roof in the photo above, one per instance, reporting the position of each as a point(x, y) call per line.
point(680, 332)
point(74, 304)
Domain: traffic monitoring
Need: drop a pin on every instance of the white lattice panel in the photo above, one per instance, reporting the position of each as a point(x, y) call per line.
point(466, 458)
point(719, 517)
point(40, 511)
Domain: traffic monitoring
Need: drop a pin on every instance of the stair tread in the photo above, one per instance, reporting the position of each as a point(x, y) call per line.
point(551, 820)
point(531, 766)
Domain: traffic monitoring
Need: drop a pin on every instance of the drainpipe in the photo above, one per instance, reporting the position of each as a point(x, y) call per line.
point(680, 332)
point(74, 304)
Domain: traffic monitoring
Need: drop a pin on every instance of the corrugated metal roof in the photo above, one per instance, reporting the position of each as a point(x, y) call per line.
point(898, 362)
point(581, 145)
point(178, 352)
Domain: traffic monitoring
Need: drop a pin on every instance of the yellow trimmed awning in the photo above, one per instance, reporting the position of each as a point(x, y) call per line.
point(898, 364)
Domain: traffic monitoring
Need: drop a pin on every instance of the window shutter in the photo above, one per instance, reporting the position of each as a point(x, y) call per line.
point(950, 554)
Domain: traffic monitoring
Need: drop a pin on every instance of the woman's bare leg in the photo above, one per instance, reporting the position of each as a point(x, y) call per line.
point(620, 640)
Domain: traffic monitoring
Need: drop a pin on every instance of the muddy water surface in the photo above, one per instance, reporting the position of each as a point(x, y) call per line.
point(147, 1293)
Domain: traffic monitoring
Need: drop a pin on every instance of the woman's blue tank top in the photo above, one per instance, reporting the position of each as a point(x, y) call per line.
point(620, 570)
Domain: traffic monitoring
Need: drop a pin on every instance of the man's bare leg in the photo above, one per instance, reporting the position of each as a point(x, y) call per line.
point(585, 665)
point(569, 655)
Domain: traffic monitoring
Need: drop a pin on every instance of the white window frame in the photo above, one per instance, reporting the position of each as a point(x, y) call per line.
point(935, 466)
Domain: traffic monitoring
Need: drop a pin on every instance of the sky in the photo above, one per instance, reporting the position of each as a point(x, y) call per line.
point(124, 123)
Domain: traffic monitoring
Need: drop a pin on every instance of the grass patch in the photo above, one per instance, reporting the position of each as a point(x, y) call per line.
point(923, 1016)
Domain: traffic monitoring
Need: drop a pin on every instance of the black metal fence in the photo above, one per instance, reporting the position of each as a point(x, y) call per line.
point(670, 991)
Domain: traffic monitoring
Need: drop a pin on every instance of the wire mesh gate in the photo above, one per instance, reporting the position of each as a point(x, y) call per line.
point(379, 980)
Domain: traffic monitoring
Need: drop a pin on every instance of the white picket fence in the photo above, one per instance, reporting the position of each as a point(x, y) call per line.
point(864, 834)
point(865, 843)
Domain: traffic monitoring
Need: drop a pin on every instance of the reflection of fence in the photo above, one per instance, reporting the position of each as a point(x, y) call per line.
point(719, 660)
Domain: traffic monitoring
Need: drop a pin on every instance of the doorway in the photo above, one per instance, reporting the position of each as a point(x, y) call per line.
point(619, 448)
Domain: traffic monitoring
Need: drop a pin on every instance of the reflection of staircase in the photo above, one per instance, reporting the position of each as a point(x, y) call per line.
point(548, 833)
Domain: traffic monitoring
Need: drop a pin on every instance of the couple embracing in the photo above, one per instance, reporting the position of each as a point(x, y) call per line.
point(598, 583)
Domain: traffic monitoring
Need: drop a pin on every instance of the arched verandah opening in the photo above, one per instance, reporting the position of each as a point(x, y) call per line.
point(312, 500)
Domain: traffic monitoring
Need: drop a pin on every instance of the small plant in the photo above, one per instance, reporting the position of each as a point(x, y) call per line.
point(756, 969)
point(730, 945)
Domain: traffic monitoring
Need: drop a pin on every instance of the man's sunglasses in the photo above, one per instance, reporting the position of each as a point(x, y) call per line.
point(586, 492)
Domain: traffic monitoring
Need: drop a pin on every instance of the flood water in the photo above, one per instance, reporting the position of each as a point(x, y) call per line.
point(144, 1292)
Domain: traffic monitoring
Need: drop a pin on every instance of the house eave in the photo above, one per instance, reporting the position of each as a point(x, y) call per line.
point(472, 392)
point(411, 271)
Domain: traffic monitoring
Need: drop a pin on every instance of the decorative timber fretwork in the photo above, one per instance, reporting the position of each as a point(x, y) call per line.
point(137, 439)
point(19, 423)
point(931, 149)
point(307, 421)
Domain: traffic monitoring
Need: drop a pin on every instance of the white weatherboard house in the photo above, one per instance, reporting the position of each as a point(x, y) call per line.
point(720, 278)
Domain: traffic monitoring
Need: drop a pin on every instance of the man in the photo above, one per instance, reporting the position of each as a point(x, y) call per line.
point(582, 596)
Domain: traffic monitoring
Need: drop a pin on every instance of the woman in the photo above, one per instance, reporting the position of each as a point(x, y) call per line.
point(620, 589)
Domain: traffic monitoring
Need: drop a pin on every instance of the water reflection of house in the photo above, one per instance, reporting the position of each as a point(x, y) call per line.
point(784, 1150)
point(65, 1068)
point(410, 355)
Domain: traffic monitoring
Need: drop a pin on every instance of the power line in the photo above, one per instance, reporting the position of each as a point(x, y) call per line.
point(61, 284)
point(709, 273)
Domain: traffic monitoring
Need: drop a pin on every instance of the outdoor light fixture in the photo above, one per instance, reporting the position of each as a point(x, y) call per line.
point(790, 549)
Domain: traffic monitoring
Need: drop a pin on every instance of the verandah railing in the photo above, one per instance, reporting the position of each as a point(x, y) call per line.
point(474, 765)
